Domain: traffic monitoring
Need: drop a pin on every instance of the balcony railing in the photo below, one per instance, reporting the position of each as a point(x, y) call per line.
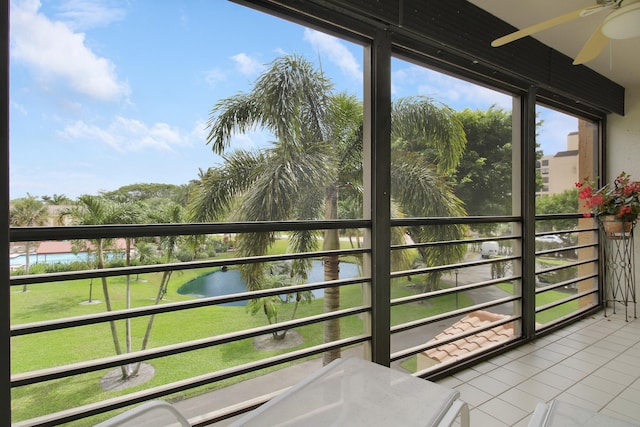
point(423, 321)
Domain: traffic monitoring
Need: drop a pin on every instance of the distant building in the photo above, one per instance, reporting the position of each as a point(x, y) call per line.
point(560, 171)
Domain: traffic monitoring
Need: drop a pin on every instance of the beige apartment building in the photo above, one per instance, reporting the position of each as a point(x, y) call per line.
point(559, 171)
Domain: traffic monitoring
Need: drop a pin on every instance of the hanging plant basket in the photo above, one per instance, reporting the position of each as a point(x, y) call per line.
point(614, 228)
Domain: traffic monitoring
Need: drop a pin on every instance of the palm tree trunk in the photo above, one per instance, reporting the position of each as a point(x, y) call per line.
point(26, 263)
point(331, 272)
point(128, 297)
point(107, 301)
point(147, 334)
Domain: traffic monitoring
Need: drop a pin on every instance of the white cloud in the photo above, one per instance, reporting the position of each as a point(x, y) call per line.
point(18, 107)
point(127, 135)
point(247, 65)
point(251, 141)
point(335, 51)
point(454, 92)
point(83, 14)
point(214, 76)
point(199, 132)
point(243, 141)
point(54, 51)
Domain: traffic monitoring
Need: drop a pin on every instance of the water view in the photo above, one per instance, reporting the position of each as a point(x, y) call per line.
point(228, 282)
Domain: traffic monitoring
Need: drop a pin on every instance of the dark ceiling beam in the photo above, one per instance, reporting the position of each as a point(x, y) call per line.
point(455, 36)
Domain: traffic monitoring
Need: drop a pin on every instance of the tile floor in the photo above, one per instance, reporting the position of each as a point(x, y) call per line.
point(594, 364)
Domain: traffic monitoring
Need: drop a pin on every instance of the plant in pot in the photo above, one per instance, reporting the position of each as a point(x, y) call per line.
point(616, 205)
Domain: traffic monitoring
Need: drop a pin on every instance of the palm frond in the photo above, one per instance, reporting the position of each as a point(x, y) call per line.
point(216, 191)
point(421, 191)
point(423, 124)
point(237, 114)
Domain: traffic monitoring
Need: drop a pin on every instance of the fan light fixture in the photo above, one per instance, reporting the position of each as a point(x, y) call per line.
point(623, 23)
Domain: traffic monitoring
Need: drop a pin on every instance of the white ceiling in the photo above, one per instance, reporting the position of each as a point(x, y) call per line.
point(620, 61)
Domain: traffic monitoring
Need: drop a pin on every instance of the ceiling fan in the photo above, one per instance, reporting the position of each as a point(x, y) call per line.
point(622, 23)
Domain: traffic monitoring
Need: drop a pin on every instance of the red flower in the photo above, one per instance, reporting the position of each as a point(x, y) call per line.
point(586, 192)
point(620, 198)
point(595, 201)
point(624, 210)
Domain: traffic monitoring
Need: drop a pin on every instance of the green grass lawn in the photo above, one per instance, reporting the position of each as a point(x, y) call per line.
point(46, 350)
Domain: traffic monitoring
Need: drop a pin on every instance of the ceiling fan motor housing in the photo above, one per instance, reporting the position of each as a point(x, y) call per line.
point(623, 23)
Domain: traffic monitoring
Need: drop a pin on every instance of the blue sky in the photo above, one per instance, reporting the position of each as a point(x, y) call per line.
point(106, 93)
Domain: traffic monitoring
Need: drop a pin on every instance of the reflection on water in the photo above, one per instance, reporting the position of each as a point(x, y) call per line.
point(228, 282)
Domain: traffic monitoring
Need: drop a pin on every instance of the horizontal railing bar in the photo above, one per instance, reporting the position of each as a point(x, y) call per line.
point(56, 324)
point(570, 298)
point(551, 217)
point(566, 248)
point(49, 374)
point(190, 265)
point(567, 231)
point(24, 234)
point(178, 386)
point(470, 286)
point(553, 286)
point(408, 222)
point(564, 266)
point(453, 242)
point(417, 271)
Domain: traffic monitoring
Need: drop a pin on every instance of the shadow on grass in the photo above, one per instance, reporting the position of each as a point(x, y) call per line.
point(59, 305)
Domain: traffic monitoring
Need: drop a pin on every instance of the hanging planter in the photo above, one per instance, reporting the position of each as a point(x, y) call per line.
point(616, 205)
point(614, 228)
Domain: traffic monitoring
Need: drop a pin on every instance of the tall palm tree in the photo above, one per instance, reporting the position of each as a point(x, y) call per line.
point(128, 213)
point(428, 142)
point(316, 155)
point(93, 210)
point(28, 212)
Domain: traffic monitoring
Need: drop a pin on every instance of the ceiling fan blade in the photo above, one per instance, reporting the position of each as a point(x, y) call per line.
point(546, 24)
point(592, 48)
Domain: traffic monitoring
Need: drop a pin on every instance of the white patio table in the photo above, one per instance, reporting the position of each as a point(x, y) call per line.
point(354, 392)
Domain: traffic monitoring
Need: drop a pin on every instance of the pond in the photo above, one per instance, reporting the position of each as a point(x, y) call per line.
point(228, 282)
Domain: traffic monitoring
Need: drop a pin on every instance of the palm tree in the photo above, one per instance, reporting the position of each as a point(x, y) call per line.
point(28, 212)
point(317, 155)
point(128, 213)
point(279, 277)
point(428, 142)
point(170, 213)
point(93, 210)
